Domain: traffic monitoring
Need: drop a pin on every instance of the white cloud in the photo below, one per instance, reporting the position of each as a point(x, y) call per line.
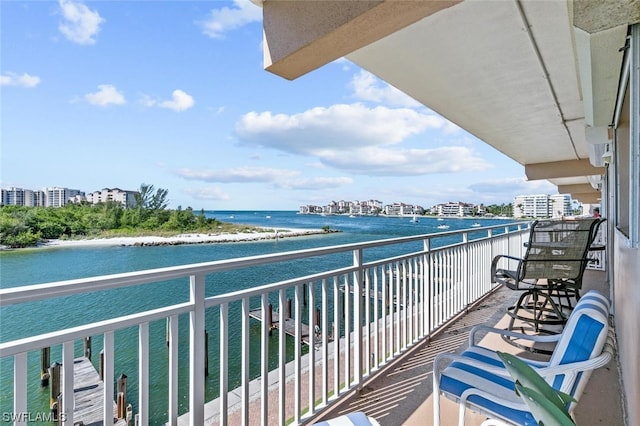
point(362, 140)
point(515, 186)
point(80, 24)
point(313, 183)
point(106, 95)
point(338, 127)
point(180, 101)
point(375, 161)
point(227, 19)
point(24, 80)
point(278, 178)
point(208, 193)
point(240, 174)
point(367, 87)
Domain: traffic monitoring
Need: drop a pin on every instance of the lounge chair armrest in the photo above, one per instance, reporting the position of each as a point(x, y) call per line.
point(442, 360)
point(515, 405)
point(534, 338)
point(574, 368)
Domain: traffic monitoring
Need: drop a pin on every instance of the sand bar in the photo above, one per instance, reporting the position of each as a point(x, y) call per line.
point(198, 238)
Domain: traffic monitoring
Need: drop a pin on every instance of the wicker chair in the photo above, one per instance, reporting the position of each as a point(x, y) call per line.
point(550, 274)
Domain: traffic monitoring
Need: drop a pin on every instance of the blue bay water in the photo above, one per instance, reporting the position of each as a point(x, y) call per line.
point(34, 266)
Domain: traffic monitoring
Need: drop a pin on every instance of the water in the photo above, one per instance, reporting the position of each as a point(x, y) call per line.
point(33, 266)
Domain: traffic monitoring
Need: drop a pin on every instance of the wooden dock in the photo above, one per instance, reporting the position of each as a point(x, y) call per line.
point(289, 325)
point(88, 392)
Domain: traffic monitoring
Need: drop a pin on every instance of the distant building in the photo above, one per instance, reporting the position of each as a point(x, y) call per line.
point(22, 197)
point(125, 198)
point(542, 206)
point(402, 209)
point(454, 209)
point(59, 197)
point(13, 197)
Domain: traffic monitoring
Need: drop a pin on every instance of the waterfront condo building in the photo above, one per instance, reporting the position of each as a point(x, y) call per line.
point(59, 197)
point(124, 197)
point(542, 206)
point(455, 209)
point(22, 197)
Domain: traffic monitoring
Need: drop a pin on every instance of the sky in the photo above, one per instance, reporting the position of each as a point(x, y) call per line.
point(114, 94)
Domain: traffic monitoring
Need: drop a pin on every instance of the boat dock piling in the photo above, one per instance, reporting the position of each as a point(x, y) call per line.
point(88, 389)
point(273, 322)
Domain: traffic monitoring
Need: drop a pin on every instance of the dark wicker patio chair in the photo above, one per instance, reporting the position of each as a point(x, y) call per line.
point(550, 273)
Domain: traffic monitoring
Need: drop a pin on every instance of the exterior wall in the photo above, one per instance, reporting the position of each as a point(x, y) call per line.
point(626, 288)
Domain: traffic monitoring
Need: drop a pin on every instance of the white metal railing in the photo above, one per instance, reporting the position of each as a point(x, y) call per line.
point(360, 317)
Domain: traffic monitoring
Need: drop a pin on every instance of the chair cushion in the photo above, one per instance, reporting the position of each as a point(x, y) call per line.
point(351, 419)
point(458, 377)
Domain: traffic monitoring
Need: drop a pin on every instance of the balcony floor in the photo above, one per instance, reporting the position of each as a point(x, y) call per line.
point(402, 395)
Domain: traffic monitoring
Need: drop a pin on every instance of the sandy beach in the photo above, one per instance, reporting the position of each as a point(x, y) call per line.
point(184, 238)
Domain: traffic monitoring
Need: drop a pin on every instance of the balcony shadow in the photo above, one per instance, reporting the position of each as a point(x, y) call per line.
point(402, 393)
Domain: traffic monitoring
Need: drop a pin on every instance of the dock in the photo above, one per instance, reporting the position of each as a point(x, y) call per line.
point(289, 325)
point(88, 395)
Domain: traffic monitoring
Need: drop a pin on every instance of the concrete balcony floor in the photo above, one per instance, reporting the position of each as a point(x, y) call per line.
point(402, 394)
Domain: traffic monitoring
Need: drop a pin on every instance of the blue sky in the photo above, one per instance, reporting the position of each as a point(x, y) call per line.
point(174, 94)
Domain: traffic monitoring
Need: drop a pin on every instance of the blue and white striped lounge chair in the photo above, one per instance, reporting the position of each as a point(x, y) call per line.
point(477, 378)
point(357, 418)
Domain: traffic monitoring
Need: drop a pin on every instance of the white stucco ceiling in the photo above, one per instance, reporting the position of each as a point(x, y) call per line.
point(512, 74)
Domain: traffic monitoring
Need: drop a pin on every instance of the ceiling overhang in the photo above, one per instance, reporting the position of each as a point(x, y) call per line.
point(301, 36)
point(530, 78)
point(561, 169)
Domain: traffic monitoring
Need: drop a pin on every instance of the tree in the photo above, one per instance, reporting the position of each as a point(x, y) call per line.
point(149, 198)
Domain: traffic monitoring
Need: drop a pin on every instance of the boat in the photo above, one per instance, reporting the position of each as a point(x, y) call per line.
point(440, 218)
point(476, 225)
point(415, 219)
point(268, 217)
point(443, 226)
point(352, 216)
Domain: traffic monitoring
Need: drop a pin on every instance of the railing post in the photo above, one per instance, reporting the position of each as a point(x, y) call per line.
point(65, 410)
point(107, 376)
point(282, 351)
point(244, 361)
point(357, 316)
point(297, 403)
point(465, 273)
point(20, 386)
point(427, 286)
point(172, 341)
point(196, 356)
point(143, 373)
point(265, 332)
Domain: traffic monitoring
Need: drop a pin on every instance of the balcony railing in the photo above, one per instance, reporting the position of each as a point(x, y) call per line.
point(353, 312)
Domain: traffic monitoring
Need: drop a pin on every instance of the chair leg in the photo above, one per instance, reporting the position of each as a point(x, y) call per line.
point(436, 398)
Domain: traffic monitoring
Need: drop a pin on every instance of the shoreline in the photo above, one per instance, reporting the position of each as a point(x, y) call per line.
point(182, 239)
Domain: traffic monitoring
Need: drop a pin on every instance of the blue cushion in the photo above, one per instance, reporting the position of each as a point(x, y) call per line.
point(459, 377)
point(352, 419)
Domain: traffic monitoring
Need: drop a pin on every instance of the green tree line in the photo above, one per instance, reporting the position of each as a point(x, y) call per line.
point(22, 226)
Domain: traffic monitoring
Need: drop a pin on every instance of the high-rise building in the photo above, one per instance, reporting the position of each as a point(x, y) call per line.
point(542, 206)
point(22, 197)
point(59, 197)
